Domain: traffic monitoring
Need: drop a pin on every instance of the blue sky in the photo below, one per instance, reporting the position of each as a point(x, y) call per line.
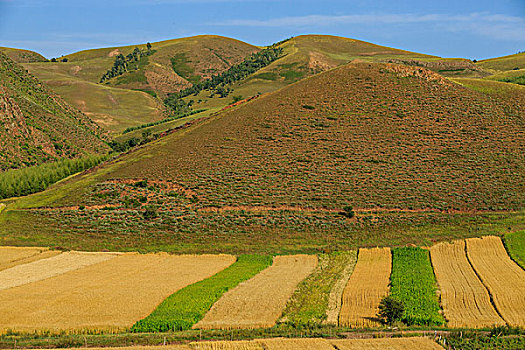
point(461, 28)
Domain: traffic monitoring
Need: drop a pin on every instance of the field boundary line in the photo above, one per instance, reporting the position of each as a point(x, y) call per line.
point(491, 297)
point(437, 284)
point(503, 240)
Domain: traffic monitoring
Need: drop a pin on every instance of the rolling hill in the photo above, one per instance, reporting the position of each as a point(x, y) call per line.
point(37, 125)
point(23, 56)
point(418, 157)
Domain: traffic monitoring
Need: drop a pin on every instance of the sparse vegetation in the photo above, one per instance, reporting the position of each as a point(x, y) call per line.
point(123, 64)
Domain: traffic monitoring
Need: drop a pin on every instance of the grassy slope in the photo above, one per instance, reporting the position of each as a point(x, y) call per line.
point(22, 56)
point(505, 63)
point(515, 244)
point(371, 140)
point(188, 306)
point(38, 125)
point(118, 105)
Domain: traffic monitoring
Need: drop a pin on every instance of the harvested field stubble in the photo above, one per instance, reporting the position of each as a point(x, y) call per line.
point(465, 301)
point(12, 256)
point(504, 279)
point(335, 299)
point(260, 301)
point(366, 287)
point(294, 344)
point(227, 345)
point(50, 267)
point(415, 343)
point(105, 296)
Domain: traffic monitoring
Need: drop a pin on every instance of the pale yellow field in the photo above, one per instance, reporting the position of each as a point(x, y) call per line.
point(226, 345)
point(109, 295)
point(335, 300)
point(260, 301)
point(413, 343)
point(295, 344)
point(46, 268)
point(504, 279)
point(367, 285)
point(12, 256)
point(465, 301)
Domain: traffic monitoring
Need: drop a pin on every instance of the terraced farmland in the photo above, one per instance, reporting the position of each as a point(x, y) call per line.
point(465, 300)
point(260, 301)
point(367, 285)
point(504, 279)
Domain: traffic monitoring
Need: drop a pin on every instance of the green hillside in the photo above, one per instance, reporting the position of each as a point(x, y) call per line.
point(418, 157)
point(37, 125)
point(23, 56)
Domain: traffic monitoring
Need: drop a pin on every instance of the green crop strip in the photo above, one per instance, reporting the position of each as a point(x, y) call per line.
point(413, 282)
point(515, 244)
point(187, 306)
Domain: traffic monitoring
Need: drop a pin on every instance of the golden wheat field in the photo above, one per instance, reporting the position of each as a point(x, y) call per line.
point(465, 301)
point(260, 301)
point(413, 343)
point(367, 285)
point(504, 279)
point(227, 345)
point(12, 256)
point(53, 266)
point(109, 295)
point(335, 299)
point(293, 344)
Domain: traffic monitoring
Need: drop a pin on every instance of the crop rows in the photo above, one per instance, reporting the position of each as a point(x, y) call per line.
point(413, 283)
point(187, 306)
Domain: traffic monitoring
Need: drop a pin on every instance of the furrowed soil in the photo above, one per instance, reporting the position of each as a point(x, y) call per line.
point(465, 300)
point(504, 279)
point(106, 296)
point(366, 287)
point(259, 301)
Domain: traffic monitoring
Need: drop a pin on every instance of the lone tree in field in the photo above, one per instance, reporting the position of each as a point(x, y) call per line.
point(390, 310)
point(348, 211)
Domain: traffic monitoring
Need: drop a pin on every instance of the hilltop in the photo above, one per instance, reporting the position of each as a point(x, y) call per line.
point(37, 125)
point(23, 56)
point(417, 156)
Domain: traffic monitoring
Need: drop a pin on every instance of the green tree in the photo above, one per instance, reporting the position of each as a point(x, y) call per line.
point(390, 310)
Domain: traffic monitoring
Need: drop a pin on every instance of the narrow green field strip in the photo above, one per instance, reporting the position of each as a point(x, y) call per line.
point(187, 306)
point(309, 304)
point(413, 282)
point(515, 244)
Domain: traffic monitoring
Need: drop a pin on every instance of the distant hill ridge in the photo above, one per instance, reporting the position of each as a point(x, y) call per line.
point(37, 125)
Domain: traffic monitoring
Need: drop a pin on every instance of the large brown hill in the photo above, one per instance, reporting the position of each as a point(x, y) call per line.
point(369, 135)
point(36, 125)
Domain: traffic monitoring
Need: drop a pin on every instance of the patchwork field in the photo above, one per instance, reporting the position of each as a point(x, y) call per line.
point(416, 343)
point(12, 256)
point(366, 287)
point(108, 295)
point(46, 268)
point(260, 301)
point(504, 279)
point(465, 301)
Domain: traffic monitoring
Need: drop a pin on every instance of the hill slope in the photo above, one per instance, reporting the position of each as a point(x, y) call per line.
point(415, 154)
point(23, 56)
point(37, 125)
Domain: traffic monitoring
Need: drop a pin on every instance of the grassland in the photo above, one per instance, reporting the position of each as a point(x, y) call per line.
point(413, 283)
point(38, 125)
point(309, 306)
point(189, 305)
point(515, 244)
point(22, 56)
